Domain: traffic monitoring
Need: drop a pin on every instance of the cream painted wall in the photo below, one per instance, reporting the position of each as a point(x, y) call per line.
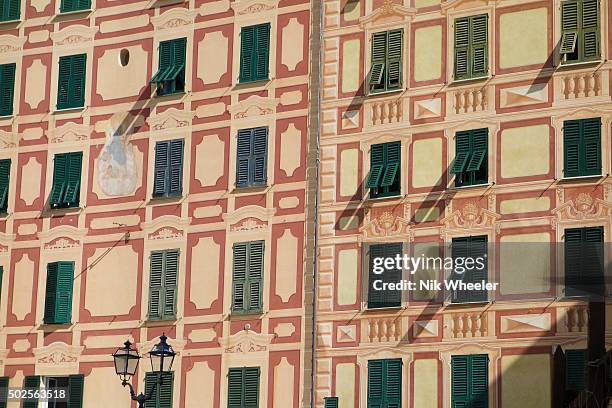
point(200, 380)
point(426, 383)
point(531, 375)
point(426, 3)
point(116, 81)
point(350, 65)
point(347, 276)
point(525, 151)
point(351, 10)
point(427, 162)
point(428, 53)
point(103, 389)
point(349, 172)
point(523, 205)
point(345, 385)
point(523, 37)
point(524, 263)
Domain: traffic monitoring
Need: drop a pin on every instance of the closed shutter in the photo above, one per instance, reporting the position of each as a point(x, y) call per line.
point(63, 84)
point(50, 293)
point(84, 4)
point(384, 298)
point(462, 48)
point(171, 266)
point(571, 148)
point(251, 160)
point(331, 402)
point(243, 387)
point(31, 382)
point(162, 164)
point(71, 81)
point(584, 262)
point(470, 381)
point(460, 249)
point(379, 58)
point(162, 397)
point(254, 52)
point(74, 5)
point(163, 284)
point(60, 179)
point(385, 383)
point(260, 149)
point(239, 274)
point(394, 59)
point(248, 276)
point(375, 297)
point(393, 386)
point(480, 381)
point(73, 178)
point(255, 275)
point(478, 249)
point(243, 159)
point(247, 44)
point(590, 29)
point(63, 301)
point(377, 164)
point(10, 10)
point(479, 44)
point(176, 167)
point(375, 384)
point(5, 169)
point(75, 391)
point(582, 147)
point(573, 254)
point(262, 48)
point(4, 383)
point(575, 370)
point(591, 134)
point(155, 285)
point(251, 387)
point(392, 163)
point(7, 87)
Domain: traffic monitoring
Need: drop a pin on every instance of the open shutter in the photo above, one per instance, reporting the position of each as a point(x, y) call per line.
point(75, 391)
point(77, 78)
point(63, 82)
point(393, 157)
point(155, 285)
point(179, 49)
point(4, 383)
point(478, 149)
point(479, 367)
point(377, 164)
point(379, 56)
point(575, 369)
point(255, 275)
point(243, 159)
point(590, 28)
point(73, 178)
point(51, 293)
point(165, 62)
point(462, 152)
point(331, 402)
point(162, 164)
point(63, 302)
point(262, 51)
point(394, 59)
point(460, 249)
point(393, 383)
point(460, 392)
point(251, 387)
point(591, 140)
point(170, 283)
point(478, 249)
point(569, 27)
point(247, 45)
point(5, 169)
point(259, 155)
point(175, 185)
point(234, 388)
point(462, 48)
point(571, 148)
point(31, 382)
point(7, 86)
point(239, 276)
point(375, 384)
point(479, 44)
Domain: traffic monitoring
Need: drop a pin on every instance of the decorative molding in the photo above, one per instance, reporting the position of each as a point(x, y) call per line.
point(254, 105)
point(166, 233)
point(388, 10)
point(62, 243)
point(470, 216)
point(453, 4)
point(69, 132)
point(387, 224)
point(7, 139)
point(249, 212)
point(246, 341)
point(583, 207)
point(584, 112)
point(10, 43)
point(57, 354)
point(165, 225)
point(170, 118)
point(62, 231)
point(74, 34)
point(173, 18)
point(249, 224)
point(248, 7)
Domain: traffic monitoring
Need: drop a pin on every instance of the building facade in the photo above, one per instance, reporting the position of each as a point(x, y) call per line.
point(154, 160)
point(477, 123)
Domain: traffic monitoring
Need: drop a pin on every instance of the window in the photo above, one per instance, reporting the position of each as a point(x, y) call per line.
point(470, 381)
point(68, 6)
point(168, 181)
point(471, 47)
point(243, 387)
point(7, 86)
point(384, 298)
point(11, 10)
point(575, 370)
point(582, 147)
point(252, 152)
point(331, 402)
point(580, 38)
point(71, 82)
point(5, 170)
point(72, 384)
point(58, 295)
point(162, 397)
point(170, 76)
point(384, 178)
point(248, 277)
point(471, 165)
point(386, 71)
point(385, 383)
point(472, 247)
point(66, 187)
point(254, 52)
point(584, 262)
point(163, 285)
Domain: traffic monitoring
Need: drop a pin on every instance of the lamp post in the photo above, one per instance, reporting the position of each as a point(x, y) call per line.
point(126, 362)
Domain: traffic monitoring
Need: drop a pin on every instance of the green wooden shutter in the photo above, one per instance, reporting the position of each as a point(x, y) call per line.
point(394, 59)
point(63, 82)
point(462, 48)
point(75, 390)
point(170, 282)
point(590, 29)
point(259, 156)
point(156, 285)
point(239, 276)
point(51, 293)
point(164, 62)
point(162, 168)
point(251, 387)
point(243, 387)
point(63, 300)
point(479, 44)
point(569, 27)
point(255, 275)
point(478, 149)
point(462, 152)
point(591, 141)
point(234, 388)
point(573, 260)
point(584, 264)
point(73, 179)
point(392, 298)
point(162, 397)
point(479, 380)
point(478, 248)
point(10, 10)
point(179, 51)
point(243, 159)
point(7, 87)
point(575, 370)
point(78, 68)
point(385, 383)
point(331, 402)
point(247, 48)
point(31, 382)
point(460, 249)
point(4, 383)
point(571, 148)
point(392, 163)
point(379, 58)
point(470, 381)
point(375, 384)
point(377, 164)
point(393, 383)
point(261, 51)
point(175, 171)
point(375, 297)
point(5, 169)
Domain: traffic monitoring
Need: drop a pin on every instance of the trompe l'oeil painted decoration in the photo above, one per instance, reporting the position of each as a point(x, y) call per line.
point(117, 173)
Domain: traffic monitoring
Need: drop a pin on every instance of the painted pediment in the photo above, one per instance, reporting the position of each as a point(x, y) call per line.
point(246, 341)
point(246, 7)
point(253, 106)
point(173, 18)
point(389, 12)
point(74, 34)
point(170, 118)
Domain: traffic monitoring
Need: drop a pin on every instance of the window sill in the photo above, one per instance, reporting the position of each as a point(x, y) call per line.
point(246, 314)
point(165, 199)
point(386, 93)
point(64, 210)
point(385, 197)
point(471, 187)
point(171, 95)
point(382, 309)
point(250, 189)
point(159, 322)
point(8, 24)
point(470, 304)
point(581, 178)
point(47, 327)
point(252, 84)
point(73, 12)
point(468, 80)
point(68, 110)
point(579, 64)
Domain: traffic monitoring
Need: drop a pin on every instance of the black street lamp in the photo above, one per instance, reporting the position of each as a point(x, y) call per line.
point(126, 362)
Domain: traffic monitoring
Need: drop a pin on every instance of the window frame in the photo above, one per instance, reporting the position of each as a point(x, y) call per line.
point(247, 308)
point(172, 78)
point(581, 144)
point(463, 176)
point(168, 176)
point(70, 102)
point(164, 287)
point(252, 181)
point(63, 201)
point(388, 190)
point(579, 35)
point(254, 76)
point(470, 74)
point(383, 72)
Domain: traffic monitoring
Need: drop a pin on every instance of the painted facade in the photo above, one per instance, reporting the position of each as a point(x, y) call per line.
point(121, 220)
point(526, 93)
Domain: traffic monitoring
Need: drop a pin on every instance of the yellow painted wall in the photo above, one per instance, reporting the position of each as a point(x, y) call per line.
point(524, 205)
point(425, 249)
point(525, 151)
point(347, 276)
point(426, 383)
point(349, 167)
point(524, 263)
point(427, 162)
point(351, 10)
point(345, 385)
point(428, 53)
point(526, 381)
point(351, 59)
point(103, 389)
point(523, 38)
point(426, 3)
